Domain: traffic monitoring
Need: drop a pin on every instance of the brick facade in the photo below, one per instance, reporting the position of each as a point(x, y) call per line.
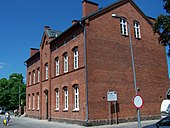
point(104, 64)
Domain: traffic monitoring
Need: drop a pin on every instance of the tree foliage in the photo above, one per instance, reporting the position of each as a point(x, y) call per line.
point(162, 25)
point(10, 90)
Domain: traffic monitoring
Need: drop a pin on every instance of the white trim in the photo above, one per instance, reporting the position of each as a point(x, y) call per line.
point(76, 58)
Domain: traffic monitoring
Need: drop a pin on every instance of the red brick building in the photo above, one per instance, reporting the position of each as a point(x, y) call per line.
point(69, 76)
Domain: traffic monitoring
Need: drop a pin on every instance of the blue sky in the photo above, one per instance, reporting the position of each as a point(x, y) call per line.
point(22, 23)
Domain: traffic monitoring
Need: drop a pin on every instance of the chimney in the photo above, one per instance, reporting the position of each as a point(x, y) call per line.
point(46, 27)
point(74, 21)
point(33, 51)
point(88, 7)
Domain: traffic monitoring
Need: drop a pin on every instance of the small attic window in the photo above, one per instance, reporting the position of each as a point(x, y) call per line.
point(74, 36)
point(56, 35)
point(65, 42)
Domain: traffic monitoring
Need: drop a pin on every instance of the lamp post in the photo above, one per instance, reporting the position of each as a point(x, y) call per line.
point(18, 93)
point(133, 64)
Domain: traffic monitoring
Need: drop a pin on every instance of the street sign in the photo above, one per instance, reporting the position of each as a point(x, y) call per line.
point(111, 96)
point(137, 101)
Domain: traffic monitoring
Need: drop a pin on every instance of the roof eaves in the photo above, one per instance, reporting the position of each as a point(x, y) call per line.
point(38, 53)
point(102, 9)
point(64, 32)
point(115, 5)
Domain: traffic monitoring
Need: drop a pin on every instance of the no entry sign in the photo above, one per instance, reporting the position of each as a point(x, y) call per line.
point(137, 101)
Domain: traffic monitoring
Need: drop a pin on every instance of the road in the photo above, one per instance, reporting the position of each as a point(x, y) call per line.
point(24, 122)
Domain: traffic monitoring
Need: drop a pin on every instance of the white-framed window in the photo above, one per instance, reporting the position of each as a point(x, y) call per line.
point(137, 30)
point(38, 74)
point(124, 26)
point(33, 102)
point(75, 58)
point(46, 71)
point(57, 66)
point(38, 101)
point(65, 98)
point(34, 77)
point(65, 63)
point(76, 98)
point(57, 99)
point(29, 102)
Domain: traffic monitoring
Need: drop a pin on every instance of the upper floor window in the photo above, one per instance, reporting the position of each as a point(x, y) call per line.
point(65, 63)
point(46, 71)
point(57, 66)
point(38, 74)
point(137, 29)
point(34, 77)
point(57, 99)
point(30, 78)
point(75, 58)
point(65, 98)
point(76, 97)
point(124, 26)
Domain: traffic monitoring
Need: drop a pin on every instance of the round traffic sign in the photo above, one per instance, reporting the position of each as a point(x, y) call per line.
point(137, 101)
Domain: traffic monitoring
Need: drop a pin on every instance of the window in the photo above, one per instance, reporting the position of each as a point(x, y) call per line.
point(124, 27)
point(57, 99)
point(38, 72)
point(137, 29)
point(46, 71)
point(38, 101)
point(33, 102)
point(34, 77)
point(30, 78)
point(75, 58)
point(65, 99)
point(57, 66)
point(65, 63)
point(29, 102)
point(76, 98)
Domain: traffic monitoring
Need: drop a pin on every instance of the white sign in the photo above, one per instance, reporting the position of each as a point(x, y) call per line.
point(137, 101)
point(111, 96)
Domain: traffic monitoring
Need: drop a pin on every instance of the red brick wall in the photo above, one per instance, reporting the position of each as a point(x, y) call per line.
point(110, 68)
point(69, 79)
point(32, 89)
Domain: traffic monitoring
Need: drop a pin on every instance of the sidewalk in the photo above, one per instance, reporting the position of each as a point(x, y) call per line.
point(50, 124)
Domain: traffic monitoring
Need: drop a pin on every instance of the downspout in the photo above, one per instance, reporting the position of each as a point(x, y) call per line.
point(86, 76)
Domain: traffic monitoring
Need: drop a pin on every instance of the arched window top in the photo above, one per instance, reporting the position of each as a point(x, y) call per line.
point(56, 58)
point(75, 48)
point(75, 85)
point(65, 53)
point(56, 89)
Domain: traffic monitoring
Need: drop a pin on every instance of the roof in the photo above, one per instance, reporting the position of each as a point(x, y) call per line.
point(52, 33)
point(116, 5)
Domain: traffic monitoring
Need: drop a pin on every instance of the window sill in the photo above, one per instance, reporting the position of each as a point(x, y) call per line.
point(75, 110)
point(65, 110)
point(56, 110)
point(138, 38)
point(125, 35)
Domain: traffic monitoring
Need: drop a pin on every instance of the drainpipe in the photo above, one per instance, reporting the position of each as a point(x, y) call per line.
point(86, 77)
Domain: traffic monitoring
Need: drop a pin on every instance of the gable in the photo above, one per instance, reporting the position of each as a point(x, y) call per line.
point(48, 35)
point(114, 6)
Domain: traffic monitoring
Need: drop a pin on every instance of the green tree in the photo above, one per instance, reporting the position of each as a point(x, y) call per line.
point(162, 25)
point(10, 90)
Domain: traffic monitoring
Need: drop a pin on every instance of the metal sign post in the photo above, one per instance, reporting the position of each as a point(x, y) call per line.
point(138, 103)
point(112, 97)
